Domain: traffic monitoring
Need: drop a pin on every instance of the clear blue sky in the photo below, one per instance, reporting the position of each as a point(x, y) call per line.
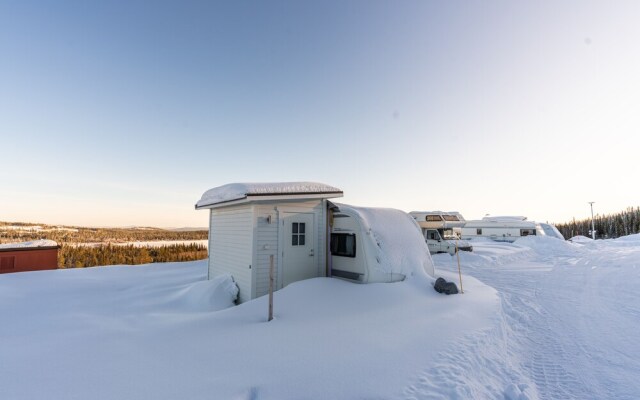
point(124, 113)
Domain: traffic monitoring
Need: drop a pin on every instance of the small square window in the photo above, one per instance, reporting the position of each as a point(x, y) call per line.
point(478, 231)
point(297, 233)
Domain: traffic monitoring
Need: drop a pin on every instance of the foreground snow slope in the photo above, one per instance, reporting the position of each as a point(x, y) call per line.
point(571, 313)
point(145, 332)
point(563, 324)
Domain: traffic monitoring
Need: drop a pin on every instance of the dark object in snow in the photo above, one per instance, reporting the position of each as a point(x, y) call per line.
point(445, 287)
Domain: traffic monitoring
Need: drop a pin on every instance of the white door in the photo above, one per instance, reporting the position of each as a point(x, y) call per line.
point(299, 253)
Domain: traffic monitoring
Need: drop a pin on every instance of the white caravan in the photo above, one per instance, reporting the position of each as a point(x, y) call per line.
point(441, 230)
point(370, 245)
point(507, 229)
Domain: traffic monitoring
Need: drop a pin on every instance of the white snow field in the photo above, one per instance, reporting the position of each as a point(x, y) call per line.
point(562, 323)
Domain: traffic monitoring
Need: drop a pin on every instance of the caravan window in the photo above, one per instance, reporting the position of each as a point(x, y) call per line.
point(479, 231)
point(343, 244)
point(527, 232)
point(297, 234)
point(433, 235)
point(433, 218)
point(451, 218)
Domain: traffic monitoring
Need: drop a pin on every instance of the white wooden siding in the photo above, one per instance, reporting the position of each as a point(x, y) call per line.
point(268, 234)
point(266, 242)
point(242, 236)
point(231, 246)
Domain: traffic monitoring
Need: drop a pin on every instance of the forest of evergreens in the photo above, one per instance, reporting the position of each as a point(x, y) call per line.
point(87, 247)
point(606, 226)
point(70, 256)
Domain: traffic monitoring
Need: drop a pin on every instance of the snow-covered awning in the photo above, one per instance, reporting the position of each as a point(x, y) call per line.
point(35, 244)
point(241, 192)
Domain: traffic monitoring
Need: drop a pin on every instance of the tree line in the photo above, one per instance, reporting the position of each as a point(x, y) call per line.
point(74, 234)
point(606, 226)
point(70, 256)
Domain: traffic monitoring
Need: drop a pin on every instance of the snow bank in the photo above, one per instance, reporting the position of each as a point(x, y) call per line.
point(212, 295)
point(580, 239)
point(547, 245)
point(134, 333)
point(237, 191)
point(31, 244)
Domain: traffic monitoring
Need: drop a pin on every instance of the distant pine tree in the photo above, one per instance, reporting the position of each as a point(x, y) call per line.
point(607, 226)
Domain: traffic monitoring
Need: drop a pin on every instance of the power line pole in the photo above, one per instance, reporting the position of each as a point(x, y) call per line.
point(593, 227)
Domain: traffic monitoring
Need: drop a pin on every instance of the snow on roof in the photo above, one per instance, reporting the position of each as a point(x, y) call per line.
point(26, 245)
point(505, 218)
point(238, 191)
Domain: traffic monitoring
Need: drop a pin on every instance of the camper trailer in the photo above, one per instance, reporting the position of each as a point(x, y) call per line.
point(370, 245)
point(507, 229)
point(441, 230)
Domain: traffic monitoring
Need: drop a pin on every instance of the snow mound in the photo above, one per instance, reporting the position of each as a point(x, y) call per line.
point(211, 295)
point(32, 244)
point(580, 239)
point(237, 191)
point(631, 239)
point(547, 245)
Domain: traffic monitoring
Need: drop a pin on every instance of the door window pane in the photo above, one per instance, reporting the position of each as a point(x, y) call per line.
point(297, 234)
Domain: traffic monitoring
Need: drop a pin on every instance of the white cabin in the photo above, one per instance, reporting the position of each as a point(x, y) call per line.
point(252, 223)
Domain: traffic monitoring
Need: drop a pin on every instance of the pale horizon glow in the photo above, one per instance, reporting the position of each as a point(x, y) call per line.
point(124, 114)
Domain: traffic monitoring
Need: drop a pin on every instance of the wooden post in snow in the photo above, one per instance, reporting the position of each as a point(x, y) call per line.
point(270, 287)
point(459, 272)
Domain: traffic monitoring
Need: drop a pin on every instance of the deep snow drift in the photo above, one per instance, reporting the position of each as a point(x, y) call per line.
point(562, 323)
point(141, 332)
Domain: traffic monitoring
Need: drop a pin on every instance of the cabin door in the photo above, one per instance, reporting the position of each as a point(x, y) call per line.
point(299, 252)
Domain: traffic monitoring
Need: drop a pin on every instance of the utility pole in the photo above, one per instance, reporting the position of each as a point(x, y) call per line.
point(593, 227)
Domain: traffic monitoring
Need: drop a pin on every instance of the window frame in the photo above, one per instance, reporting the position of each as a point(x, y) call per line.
point(298, 234)
point(334, 248)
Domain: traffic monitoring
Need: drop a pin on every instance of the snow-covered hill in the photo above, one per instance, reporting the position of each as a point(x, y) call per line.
point(560, 323)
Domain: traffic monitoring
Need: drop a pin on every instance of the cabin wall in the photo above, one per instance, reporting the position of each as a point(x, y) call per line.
point(266, 242)
point(31, 259)
point(268, 236)
point(231, 246)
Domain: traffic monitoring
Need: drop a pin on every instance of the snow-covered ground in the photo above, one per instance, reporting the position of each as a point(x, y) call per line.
point(570, 314)
point(562, 322)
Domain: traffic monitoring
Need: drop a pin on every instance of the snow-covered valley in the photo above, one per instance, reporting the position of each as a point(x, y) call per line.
point(539, 318)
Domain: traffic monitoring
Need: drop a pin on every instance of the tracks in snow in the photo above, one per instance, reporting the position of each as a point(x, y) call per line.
point(567, 330)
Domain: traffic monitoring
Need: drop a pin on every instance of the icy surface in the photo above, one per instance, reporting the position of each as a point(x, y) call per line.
point(561, 323)
point(24, 245)
point(236, 191)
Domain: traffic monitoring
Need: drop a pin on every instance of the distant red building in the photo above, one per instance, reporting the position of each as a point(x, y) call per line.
point(28, 256)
